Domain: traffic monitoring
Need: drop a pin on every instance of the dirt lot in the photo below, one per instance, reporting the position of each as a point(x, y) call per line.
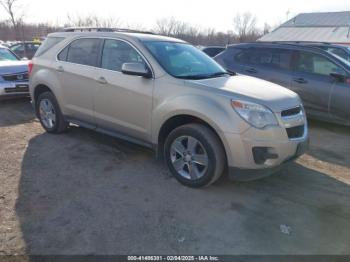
point(86, 193)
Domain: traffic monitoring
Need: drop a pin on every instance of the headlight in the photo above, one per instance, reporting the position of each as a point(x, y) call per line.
point(257, 115)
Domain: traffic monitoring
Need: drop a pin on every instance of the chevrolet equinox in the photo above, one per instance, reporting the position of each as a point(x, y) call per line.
point(165, 94)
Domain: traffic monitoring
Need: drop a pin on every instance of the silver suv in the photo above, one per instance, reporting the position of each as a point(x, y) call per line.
point(165, 94)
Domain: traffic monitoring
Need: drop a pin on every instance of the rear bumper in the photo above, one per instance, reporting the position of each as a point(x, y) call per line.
point(14, 89)
point(241, 174)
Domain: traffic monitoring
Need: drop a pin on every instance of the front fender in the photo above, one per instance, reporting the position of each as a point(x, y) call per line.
point(215, 111)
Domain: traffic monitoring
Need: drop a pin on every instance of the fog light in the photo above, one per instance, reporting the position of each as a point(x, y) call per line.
point(262, 154)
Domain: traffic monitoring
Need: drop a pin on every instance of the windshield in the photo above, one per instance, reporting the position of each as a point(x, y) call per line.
point(184, 61)
point(6, 55)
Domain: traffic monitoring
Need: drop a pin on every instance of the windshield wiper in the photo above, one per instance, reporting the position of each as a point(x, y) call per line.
point(218, 74)
point(231, 73)
point(198, 77)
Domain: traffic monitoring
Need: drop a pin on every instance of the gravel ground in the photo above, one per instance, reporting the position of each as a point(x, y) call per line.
point(86, 193)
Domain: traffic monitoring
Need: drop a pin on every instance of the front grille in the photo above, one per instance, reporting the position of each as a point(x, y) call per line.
point(22, 89)
point(296, 132)
point(291, 112)
point(16, 77)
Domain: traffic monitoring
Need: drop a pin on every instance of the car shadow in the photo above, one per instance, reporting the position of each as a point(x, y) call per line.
point(327, 143)
point(85, 193)
point(15, 112)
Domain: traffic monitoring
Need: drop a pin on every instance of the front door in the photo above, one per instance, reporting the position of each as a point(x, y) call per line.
point(123, 103)
point(313, 82)
point(340, 101)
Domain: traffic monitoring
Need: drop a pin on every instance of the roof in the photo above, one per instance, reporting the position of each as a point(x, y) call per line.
point(140, 36)
point(315, 27)
point(284, 45)
point(329, 19)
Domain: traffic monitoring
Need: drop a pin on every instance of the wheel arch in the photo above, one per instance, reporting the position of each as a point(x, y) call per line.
point(39, 89)
point(176, 121)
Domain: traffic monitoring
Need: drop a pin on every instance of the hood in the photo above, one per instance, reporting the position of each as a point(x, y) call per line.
point(13, 67)
point(273, 96)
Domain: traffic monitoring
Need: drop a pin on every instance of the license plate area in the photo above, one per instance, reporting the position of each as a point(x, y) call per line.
point(17, 88)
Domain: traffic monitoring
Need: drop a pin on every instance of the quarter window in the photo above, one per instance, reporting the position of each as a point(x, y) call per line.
point(316, 64)
point(116, 53)
point(47, 44)
point(63, 55)
point(83, 52)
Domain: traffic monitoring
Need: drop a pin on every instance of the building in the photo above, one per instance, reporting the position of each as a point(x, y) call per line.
point(330, 27)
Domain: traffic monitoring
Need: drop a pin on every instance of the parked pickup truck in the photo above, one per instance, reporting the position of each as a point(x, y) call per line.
point(165, 94)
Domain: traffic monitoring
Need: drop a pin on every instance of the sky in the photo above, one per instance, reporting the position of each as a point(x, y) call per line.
point(216, 14)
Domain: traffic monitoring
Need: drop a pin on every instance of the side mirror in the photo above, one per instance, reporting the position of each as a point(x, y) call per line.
point(340, 78)
point(136, 69)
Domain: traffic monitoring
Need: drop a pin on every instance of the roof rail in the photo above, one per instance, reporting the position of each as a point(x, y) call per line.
point(301, 42)
point(104, 29)
point(286, 43)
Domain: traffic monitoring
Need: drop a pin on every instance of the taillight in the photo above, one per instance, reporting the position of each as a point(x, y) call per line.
point(30, 67)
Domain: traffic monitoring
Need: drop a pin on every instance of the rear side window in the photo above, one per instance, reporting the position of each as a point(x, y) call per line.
point(47, 45)
point(270, 57)
point(82, 51)
point(244, 56)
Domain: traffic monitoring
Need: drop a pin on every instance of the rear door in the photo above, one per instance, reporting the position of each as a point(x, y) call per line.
point(274, 65)
point(77, 69)
point(271, 64)
point(313, 82)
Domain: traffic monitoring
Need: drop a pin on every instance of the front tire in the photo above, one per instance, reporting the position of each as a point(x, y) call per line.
point(194, 155)
point(49, 114)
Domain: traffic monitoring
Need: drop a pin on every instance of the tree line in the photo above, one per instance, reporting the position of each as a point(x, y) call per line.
point(244, 27)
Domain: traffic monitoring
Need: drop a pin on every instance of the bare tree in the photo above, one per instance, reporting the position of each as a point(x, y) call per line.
point(91, 21)
point(178, 29)
point(166, 26)
point(245, 27)
point(12, 9)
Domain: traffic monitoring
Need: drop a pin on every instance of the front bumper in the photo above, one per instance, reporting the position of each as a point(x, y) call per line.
point(239, 174)
point(258, 153)
point(14, 89)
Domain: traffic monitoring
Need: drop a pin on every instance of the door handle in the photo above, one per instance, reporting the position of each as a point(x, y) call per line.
point(300, 80)
point(102, 80)
point(251, 70)
point(60, 69)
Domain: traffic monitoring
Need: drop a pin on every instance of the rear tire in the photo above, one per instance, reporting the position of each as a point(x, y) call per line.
point(194, 155)
point(49, 114)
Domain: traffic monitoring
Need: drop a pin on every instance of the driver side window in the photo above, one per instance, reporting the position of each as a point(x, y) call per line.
point(116, 53)
point(316, 64)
